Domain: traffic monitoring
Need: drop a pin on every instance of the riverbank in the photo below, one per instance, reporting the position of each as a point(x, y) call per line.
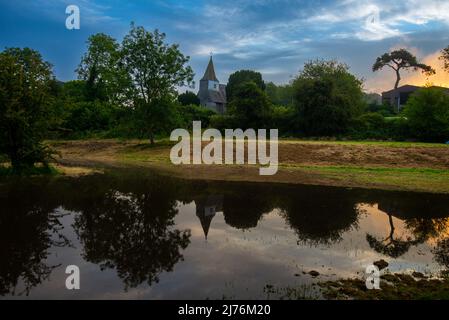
point(393, 286)
point(374, 165)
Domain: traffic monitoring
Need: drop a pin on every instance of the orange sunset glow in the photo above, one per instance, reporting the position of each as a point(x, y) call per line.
point(384, 80)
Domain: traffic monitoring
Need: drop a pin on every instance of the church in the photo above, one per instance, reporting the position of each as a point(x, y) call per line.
point(212, 94)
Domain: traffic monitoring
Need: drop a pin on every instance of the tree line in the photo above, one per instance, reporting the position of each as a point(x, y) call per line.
point(128, 89)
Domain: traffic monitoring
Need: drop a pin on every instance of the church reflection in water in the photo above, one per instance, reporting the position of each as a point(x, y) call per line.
point(125, 221)
point(206, 209)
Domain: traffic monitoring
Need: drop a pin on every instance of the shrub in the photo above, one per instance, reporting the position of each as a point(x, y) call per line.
point(369, 126)
point(191, 113)
point(427, 112)
point(281, 119)
point(87, 116)
point(222, 122)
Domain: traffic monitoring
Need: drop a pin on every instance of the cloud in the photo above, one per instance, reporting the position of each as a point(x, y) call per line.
point(92, 12)
point(372, 20)
point(274, 37)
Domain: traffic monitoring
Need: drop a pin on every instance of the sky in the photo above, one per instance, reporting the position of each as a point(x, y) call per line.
point(273, 37)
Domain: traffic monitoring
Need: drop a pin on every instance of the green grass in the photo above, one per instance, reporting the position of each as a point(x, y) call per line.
point(416, 179)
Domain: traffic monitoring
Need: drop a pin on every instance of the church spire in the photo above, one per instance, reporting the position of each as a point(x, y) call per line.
point(210, 72)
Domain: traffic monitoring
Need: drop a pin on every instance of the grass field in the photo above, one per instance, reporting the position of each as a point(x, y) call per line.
point(367, 164)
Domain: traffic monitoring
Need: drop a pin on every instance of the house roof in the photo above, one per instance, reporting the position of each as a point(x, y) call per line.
point(210, 72)
point(406, 87)
point(409, 88)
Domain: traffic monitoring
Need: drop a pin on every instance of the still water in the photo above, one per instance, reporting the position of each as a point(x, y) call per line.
point(138, 235)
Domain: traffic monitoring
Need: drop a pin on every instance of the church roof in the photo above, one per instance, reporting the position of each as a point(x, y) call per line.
point(210, 72)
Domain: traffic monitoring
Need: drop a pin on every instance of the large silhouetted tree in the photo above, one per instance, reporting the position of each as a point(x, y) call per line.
point(401, 60)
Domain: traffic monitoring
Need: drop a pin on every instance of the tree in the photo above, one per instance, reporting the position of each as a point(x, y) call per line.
point(427, 112)
point(102, 70)
point(327, 97)
point(445, 57)
point(25, 87)
point(192, 112)
point(399, 60)
point(188, 98)
point(250, 106)
point(240, 77)
point(280, 95)
point(156, 68)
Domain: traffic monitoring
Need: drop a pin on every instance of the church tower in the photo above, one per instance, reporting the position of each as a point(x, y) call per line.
point(212, 94)
point(209, 79)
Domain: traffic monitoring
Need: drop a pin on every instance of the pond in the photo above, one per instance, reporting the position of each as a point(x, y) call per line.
point(140, 235)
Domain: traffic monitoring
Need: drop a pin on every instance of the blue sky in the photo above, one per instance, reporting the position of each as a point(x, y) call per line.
point(273, 37)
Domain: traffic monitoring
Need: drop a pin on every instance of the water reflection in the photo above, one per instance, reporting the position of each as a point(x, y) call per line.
point(132, 231)
point(126, 222)
point(28, 229)
point(206, 209)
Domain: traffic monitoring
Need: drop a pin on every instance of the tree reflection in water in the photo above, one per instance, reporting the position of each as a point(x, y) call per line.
point(29, 227)
point(133, 233)
point(391, 246)
point(319, 222)
point(422, 229)
point(126, 221)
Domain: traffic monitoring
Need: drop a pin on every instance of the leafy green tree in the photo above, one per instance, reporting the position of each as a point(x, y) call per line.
point(327, 97)
point(427, 112)
point(399, 60)
point(250, 106)
point(281, 118)
point(156, 68)
point(74, 90)
point(157, 117)
point(102, 70)
point(240, 77)
point(25, 98)
point(89, 116)
point(188, 98)
point(194, 112)
point(280, 95)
